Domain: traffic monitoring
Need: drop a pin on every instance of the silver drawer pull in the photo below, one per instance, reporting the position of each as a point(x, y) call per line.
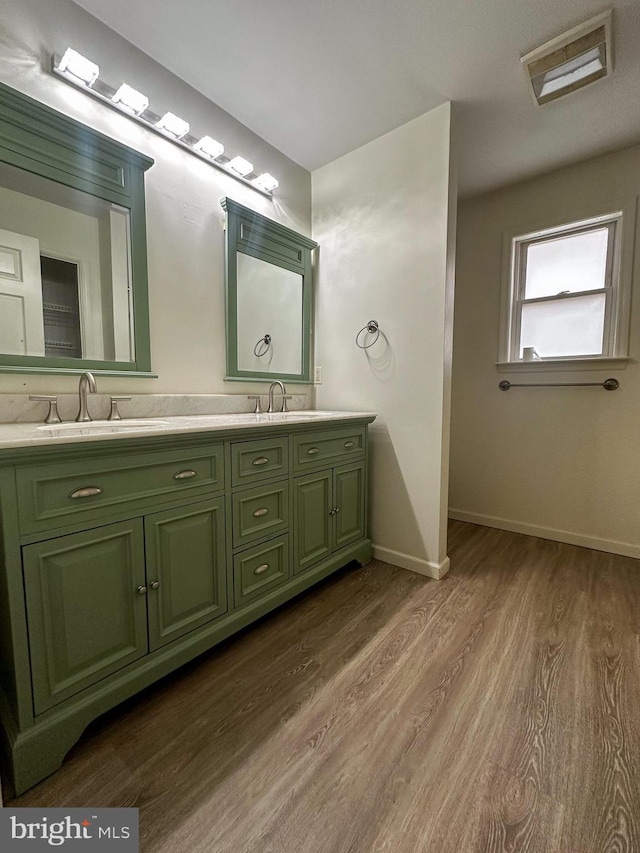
point(261, 460)
point(260, 569)
point(348, 444)
point(259, 512)
point(184, 475)
point(86, 492)
point(312, 451)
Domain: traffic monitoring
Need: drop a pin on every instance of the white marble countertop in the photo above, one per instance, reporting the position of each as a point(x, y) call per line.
point(32, 435)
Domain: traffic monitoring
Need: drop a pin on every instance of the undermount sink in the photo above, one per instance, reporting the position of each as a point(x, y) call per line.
point(107, 426)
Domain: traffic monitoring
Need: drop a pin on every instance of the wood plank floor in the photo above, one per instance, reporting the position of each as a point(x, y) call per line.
point(496, 710)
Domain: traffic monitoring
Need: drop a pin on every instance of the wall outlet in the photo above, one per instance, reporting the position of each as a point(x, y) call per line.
point(317, 376)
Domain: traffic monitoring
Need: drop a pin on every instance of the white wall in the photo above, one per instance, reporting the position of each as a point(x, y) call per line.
point(381, 215)
point(561, 463)
point(184, 217)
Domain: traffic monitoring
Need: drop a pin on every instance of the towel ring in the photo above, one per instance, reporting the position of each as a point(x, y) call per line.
point(371, 327)
point(267, 342)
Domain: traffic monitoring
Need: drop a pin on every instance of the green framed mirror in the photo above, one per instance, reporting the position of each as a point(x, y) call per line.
point(268, 298)
point(73, 253)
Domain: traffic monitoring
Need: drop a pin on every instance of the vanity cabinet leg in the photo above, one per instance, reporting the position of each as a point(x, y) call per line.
point(40, 751)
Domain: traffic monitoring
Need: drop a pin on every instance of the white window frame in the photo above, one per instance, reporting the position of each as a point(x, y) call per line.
point(620, 223)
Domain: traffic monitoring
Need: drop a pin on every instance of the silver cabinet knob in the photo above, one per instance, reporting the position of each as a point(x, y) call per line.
point(154, 584)
point(142, 590)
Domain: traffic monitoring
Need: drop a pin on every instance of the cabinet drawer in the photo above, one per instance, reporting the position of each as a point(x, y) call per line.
point(252, 461)
point(67, 493)
point(327, 448)
point(260, 569)
point(260, 512)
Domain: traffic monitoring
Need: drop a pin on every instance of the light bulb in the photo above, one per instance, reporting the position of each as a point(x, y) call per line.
point(79, 66)
point(210, 147)
point(266, 182)
point(131, 99)
point(240, 166)
point(174, 125)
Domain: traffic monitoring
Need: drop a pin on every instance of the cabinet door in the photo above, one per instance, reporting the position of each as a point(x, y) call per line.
point(186, 573)
point(86, 618)
point(312, 523)
point(348, 500)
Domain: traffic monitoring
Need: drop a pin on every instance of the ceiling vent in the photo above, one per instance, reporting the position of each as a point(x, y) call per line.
point(570, 61)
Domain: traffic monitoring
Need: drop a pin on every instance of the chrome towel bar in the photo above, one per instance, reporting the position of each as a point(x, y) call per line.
point(608, 385)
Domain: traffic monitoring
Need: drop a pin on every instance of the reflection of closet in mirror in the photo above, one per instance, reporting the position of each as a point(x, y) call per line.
point(60, 308)
point(64, 271)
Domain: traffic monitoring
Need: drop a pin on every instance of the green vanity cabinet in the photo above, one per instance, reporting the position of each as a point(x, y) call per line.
point(186, 578)
point(93, 606)
point(329, 512)
point(122, 559)
point(85, 617)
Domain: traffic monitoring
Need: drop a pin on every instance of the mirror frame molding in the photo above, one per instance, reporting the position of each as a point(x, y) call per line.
point(253, 234)
point(41, 140)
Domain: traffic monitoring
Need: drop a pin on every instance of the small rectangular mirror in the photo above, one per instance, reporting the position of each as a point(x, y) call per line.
point(269, 292)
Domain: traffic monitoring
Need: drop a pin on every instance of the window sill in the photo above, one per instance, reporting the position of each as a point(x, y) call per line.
point(562, 364)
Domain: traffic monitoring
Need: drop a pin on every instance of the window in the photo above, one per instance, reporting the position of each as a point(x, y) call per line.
point(567, 295)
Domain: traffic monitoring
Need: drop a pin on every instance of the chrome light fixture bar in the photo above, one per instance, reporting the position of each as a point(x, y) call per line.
point(84, 74)
point(571, 60)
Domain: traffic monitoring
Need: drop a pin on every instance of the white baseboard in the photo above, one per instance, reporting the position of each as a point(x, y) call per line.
point(414, 564)
point(611, 546)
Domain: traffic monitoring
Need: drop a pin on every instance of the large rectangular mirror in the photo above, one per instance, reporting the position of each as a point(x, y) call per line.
point(73, 288)
point(269, 293)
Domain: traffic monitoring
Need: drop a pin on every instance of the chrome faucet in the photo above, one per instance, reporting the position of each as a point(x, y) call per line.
point(271, 390)
point(87, 385)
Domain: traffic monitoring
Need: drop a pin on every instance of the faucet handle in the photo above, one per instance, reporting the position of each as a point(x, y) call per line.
point(114, 414)
point(258, 408)
point(285, 397)
point(52, 415)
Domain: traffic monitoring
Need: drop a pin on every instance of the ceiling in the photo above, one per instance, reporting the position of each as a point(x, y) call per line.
point(319, 78)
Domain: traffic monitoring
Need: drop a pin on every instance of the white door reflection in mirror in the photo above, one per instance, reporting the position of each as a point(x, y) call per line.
point(269, 302)
point(21, 326)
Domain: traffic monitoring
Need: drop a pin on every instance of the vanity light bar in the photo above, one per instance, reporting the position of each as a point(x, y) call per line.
point(84, 74)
